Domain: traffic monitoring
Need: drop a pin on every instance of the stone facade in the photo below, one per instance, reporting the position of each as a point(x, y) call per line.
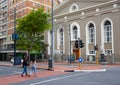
point(96, 22)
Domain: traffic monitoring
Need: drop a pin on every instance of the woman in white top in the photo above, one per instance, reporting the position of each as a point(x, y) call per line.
point(33, 67)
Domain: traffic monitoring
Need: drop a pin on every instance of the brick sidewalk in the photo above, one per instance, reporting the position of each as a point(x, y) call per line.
point(59, 68)
point(6, 80)
point(63, 66)
point(73, 68)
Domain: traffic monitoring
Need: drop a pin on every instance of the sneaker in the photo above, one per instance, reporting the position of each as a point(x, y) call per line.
point(22, 75)
point(28, 75)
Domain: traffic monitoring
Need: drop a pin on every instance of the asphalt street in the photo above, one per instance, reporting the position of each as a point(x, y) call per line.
point(12, 70)
point(6, 71)
point(109, 77)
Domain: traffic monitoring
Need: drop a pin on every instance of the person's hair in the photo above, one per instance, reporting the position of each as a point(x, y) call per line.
point(33, 60)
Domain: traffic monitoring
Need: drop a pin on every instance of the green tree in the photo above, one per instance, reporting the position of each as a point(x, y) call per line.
point(30, 30)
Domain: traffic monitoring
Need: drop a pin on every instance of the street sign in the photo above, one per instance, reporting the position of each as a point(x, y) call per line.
point(14, 36)
point(80, 59)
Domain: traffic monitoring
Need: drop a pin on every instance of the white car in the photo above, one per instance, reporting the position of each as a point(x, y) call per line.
point(12, 60)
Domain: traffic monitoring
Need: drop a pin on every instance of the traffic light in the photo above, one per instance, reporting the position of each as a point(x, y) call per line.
point(96, 47)
point(81, 44)
point(76, 44)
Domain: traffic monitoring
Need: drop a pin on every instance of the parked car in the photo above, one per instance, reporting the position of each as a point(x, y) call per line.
point(12, 60)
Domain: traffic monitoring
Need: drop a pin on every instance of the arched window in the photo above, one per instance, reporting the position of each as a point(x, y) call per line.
point(61, 36)
point(74, 7)
point(107, 32)
point(91, 33)
point(75, 32)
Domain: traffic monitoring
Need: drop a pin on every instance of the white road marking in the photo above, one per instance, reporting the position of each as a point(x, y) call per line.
point(99, 70)
point(57, 78)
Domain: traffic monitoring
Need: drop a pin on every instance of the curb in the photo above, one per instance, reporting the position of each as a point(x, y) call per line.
point(51, 69)
point(99, 70)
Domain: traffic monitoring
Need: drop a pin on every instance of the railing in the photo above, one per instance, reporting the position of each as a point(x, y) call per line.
point(112, 59)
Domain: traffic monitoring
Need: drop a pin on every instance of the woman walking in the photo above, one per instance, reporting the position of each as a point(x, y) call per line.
point(24, 67)
point(33, 68)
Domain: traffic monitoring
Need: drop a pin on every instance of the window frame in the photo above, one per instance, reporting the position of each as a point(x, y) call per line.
point(75, 32)
point(61, 36)
point(91, 34)
point(107, 33)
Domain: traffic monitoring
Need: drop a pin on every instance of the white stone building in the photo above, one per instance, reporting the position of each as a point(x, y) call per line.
point(93, 21)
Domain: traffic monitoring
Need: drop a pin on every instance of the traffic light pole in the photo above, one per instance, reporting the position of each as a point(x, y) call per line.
point(79, 44)
point(79, 50)
point(14, 34)
point(97, 58)
point(79, 65)
point(97, 62)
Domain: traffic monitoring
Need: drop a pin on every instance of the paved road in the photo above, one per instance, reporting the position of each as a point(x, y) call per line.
point(5, 71)
point(109, 77)
point(12, 70)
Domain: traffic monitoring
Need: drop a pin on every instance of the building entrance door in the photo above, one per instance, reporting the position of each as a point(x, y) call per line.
point(76, 52)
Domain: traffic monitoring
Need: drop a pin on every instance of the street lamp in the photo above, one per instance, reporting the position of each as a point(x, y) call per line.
point(14, 34)
point(14, 37)
point(70, 42)
point(51, 59)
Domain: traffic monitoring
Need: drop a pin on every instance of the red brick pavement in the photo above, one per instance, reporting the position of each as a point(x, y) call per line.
point(64, 67)
point(59, 68)
point(17, 78)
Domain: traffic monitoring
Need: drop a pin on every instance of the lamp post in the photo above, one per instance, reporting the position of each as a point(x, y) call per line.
point(14, 34)
point(70, 42)
point(51, 59)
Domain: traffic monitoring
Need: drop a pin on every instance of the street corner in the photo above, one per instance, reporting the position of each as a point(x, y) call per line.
point(92, 70)
point(96, 68)
point(82, 70)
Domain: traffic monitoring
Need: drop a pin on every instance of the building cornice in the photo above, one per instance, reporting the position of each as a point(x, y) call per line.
point(93, 8)
point(65, 3)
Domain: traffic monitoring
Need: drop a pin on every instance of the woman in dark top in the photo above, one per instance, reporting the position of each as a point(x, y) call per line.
point(24, 67)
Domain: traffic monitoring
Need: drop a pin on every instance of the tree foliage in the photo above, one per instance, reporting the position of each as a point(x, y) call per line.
point(30, 29)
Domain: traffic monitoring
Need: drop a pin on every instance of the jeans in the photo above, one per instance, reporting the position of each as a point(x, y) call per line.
point(24, 70)
point(33, 69)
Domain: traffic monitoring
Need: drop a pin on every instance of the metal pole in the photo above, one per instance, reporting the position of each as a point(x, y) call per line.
point(79, 50)
point(96, 50)
point(97, 58)
point(51, 60)
point(70, 42)
point(14, 34)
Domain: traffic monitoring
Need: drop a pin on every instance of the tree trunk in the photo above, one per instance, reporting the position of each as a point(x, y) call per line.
point(28, 56)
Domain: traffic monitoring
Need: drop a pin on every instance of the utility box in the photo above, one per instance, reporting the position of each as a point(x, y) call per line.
point(50, 63)
point(17, 61)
